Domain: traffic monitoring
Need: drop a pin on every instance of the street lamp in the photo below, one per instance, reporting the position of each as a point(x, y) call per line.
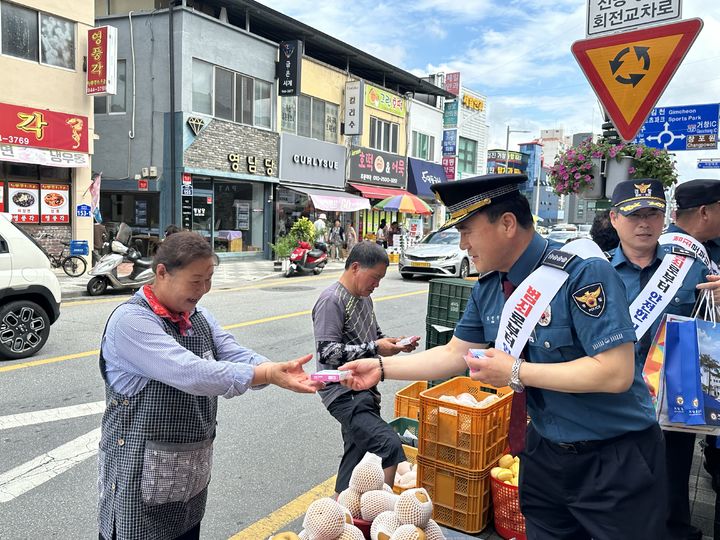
point(507, 143)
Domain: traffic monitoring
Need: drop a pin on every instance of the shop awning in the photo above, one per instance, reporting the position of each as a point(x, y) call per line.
point(377, 192)
point(422, 175)
point(333, 201)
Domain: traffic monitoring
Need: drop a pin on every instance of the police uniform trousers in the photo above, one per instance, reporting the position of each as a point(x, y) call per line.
point(363, 430)
point(155, 454)
point(604, 490)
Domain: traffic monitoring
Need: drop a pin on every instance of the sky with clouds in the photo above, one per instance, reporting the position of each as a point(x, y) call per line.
point(517, 53)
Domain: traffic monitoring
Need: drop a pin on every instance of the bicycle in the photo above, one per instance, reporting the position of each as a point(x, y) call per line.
point(72, 265)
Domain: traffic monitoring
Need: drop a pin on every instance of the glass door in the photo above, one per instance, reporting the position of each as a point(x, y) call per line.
point(203, 216)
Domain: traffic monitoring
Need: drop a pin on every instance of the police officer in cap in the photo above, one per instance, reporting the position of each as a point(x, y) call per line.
point(698, 216)
point(638, 212)
point(593, 458)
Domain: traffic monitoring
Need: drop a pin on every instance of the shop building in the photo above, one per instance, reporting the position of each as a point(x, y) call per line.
point(214, 165)
point(46, 136)
point(468, 114)
point(312, 162)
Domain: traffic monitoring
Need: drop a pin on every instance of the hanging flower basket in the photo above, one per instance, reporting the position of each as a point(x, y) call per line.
point(573, 171)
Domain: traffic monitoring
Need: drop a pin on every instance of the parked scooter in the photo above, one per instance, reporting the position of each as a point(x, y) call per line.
point(105, 272)
point(304, 259)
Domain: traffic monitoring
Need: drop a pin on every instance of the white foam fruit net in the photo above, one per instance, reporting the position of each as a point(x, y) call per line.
point(324, 519)
point(373, 503)
point(414, 507)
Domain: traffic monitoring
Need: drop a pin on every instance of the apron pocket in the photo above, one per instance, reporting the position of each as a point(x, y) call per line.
point(175, 472)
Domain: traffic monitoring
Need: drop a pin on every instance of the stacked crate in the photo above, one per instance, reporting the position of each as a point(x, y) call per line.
point(458, 445)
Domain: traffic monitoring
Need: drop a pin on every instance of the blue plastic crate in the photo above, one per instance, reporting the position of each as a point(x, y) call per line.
point(79, 247)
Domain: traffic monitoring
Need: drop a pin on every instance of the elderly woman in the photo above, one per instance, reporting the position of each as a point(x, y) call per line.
point(164, 361)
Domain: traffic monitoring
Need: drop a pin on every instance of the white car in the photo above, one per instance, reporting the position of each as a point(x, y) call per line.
point(438, 254)
point(29, 293)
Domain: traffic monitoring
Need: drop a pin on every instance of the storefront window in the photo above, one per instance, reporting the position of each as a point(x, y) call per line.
point(288, 121)
point(238, 213)
point(140, 211)
point(202, 81)
point(263, 108)
point(289, 207)
point(304, 116)
point(223, 94)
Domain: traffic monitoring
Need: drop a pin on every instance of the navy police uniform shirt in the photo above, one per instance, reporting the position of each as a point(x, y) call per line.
point(635, 280)
point(567, 331)
point(711, 246)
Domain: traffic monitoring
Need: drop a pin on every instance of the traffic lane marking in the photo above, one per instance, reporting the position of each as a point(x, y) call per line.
point(257, 285)
point(39, 470)
point(96, 352)
point(270, 524)
point(50, 415)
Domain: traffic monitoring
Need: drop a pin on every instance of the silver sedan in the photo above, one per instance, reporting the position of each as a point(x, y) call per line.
point(438, 254)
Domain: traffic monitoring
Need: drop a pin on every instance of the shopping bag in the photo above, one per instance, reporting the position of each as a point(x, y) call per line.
point(708, 334)
point(682, 374)
point(653, 368)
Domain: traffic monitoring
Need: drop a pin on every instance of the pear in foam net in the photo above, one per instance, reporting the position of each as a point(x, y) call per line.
point(414, 507)
point(408, 532)
point(384, 525)
point(373, 503)
point(324, 520)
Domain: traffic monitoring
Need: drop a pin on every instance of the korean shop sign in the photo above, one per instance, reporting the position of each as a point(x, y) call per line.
point(289, 68)
point(102, 61)
point(382, 100)
point(380, 168)
point(41, 128)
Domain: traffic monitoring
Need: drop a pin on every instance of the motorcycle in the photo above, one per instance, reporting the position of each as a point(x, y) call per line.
point(105, 272)
point(304, 259)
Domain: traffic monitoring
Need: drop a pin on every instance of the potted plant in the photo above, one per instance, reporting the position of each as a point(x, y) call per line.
point(577, 170)
point(635, 161)
point(282, 248)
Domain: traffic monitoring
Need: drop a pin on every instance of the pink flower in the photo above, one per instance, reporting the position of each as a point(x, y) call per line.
point(577, 176)
point(632, 170)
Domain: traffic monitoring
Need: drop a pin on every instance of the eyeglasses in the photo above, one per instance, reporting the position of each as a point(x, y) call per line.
point(652, 215)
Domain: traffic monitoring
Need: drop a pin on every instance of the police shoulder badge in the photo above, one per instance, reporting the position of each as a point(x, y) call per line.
point(590, 299)
point(546, 317)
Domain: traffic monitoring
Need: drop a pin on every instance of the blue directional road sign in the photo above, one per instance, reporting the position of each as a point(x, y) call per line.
point(688, 127)
point(708, 164)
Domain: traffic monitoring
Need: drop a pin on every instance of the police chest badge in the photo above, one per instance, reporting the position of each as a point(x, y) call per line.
point(546, 317)
point(590, 300)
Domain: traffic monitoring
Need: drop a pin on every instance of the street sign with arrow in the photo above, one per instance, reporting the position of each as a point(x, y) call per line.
point(630, 71)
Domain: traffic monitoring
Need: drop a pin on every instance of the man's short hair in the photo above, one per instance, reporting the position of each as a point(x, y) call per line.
point(517, 206)
point(367, 254)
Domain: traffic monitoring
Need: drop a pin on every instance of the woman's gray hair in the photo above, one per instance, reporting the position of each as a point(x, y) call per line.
point(367, 254)
point(183, 248)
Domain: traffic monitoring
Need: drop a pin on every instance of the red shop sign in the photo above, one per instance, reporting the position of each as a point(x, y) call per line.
point(39, 128)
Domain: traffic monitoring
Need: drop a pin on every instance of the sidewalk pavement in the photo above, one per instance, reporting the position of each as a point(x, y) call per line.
point(229, 273)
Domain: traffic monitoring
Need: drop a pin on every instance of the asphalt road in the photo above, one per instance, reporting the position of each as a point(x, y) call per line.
point(272, 445)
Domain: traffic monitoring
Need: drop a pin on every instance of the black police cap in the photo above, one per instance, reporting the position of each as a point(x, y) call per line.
point(633, 195)
point(697, 193)
point(465, 197)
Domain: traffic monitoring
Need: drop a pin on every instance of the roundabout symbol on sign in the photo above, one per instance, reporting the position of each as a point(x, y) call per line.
point(670, 134)
point(633, 78)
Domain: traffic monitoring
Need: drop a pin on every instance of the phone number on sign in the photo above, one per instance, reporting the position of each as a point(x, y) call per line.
point(12, 139)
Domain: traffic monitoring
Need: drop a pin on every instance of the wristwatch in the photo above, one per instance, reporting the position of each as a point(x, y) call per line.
point(514, 382)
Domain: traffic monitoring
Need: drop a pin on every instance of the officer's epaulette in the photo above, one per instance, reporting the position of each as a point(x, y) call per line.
point(558, 259)
point(677, 250)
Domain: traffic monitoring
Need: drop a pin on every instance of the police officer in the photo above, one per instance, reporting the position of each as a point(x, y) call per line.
point(638, 212)
point(698, 215)
point(593, 461)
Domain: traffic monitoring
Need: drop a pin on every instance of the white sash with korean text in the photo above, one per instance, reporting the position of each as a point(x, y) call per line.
point(688, 242)
point(659, 291)
point(526, 304)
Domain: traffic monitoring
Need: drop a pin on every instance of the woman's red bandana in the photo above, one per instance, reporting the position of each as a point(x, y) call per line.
point(181, 319)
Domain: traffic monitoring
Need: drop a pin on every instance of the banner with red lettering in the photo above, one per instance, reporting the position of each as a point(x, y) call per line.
point(42, 128)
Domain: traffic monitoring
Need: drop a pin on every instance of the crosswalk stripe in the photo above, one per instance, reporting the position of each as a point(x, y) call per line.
point(51, 415)
point(39, 470)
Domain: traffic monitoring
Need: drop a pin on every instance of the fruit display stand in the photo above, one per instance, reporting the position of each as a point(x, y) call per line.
point(407, 400)
point(459, 435)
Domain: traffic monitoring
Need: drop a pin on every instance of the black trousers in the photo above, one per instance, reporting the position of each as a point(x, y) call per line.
point(363, 430)
point(679, 448)
point(192, 534)
point(605, 490)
